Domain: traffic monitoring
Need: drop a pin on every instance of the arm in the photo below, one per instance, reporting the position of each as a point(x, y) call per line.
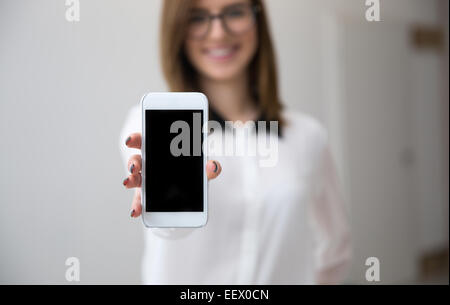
point(330, 222)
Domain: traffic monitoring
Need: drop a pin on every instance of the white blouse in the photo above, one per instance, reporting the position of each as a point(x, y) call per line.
point(285, 224)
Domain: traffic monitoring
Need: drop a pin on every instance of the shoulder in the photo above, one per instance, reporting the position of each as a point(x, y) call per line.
point(133, 118)
point(132, 123)
point(134, 113)
point(299, 125)
point(307, 138)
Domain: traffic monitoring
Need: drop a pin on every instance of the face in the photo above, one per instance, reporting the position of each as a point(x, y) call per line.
point(224, 50)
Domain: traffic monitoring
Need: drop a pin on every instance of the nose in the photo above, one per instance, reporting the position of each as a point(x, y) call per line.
point(217, 30)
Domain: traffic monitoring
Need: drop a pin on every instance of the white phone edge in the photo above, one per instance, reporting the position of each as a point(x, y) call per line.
point(185, 101)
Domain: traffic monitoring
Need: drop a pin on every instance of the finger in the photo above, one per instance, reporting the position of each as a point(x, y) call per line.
point(136, 206)
point(135, 164)
point(213, 169)
point(133, 181)
point(134, 141)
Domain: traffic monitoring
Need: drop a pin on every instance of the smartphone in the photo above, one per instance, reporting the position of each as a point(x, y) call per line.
point(174, 181)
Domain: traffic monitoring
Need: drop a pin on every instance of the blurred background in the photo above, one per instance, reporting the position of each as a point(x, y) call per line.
point(381, 89)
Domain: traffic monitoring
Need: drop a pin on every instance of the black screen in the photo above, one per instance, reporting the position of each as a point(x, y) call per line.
point(173, 183)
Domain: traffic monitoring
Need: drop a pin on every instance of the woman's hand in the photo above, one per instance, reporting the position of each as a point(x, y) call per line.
point(134, 180)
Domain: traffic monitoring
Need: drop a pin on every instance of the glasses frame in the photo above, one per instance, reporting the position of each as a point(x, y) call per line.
point(255, 9)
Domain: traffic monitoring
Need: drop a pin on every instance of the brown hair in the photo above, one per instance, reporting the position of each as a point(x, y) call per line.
point(180, 74)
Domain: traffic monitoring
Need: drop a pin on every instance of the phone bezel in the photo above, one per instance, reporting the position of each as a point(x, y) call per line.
point(175, 101)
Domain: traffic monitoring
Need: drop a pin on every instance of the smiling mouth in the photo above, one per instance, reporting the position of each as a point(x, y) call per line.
point(221, 53)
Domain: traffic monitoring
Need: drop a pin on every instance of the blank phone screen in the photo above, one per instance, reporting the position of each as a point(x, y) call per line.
point(174, 160)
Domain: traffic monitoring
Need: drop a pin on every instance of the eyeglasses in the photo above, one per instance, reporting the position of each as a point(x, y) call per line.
point(235, 19)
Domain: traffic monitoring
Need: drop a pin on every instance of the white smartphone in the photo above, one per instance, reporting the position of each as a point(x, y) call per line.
point(174, 181)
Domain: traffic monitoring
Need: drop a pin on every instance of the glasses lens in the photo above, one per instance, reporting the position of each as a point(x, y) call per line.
point(198, 24)
point(238, 19)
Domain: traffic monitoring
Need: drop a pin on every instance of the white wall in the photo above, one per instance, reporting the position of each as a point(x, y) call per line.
point(64, 91)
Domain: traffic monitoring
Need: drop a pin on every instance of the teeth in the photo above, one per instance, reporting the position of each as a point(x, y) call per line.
point(220, 52)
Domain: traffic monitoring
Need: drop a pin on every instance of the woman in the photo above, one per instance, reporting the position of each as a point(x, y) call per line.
point(282, 224)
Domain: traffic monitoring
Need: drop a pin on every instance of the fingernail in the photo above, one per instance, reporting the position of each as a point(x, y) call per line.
point(131, 168)
point(125, 182)
point(128, 140)
point(216, 167)
point(132, 213)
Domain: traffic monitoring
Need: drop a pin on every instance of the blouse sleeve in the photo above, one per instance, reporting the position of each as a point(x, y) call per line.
point(330, 222)
point(133, 124)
